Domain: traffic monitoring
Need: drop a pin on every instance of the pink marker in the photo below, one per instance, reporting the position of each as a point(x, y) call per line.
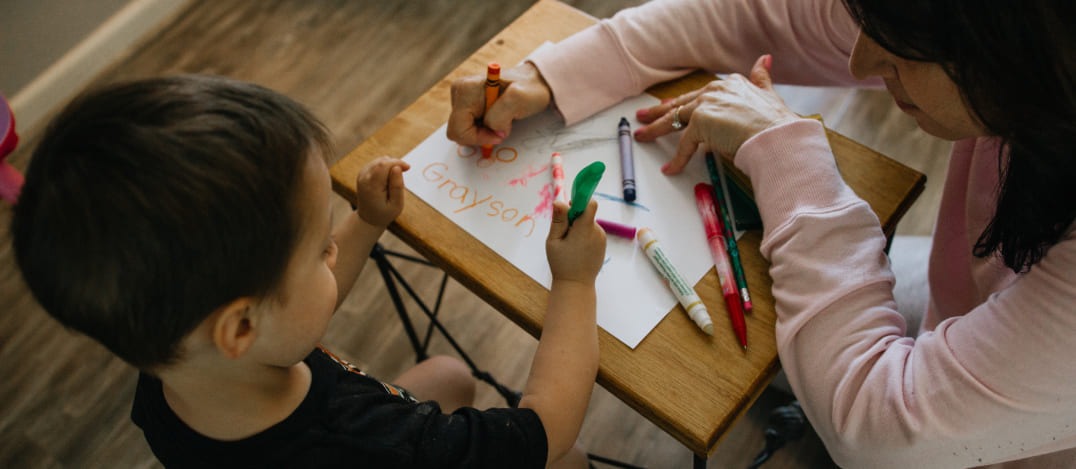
point(617, 229)
point(704, 200)
point(556, 164)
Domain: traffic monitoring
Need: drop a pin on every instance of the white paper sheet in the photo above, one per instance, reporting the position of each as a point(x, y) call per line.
point(504, 202)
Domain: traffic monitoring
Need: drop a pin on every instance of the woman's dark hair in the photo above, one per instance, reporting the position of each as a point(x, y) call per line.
point(148, 205)
point(1014, 63)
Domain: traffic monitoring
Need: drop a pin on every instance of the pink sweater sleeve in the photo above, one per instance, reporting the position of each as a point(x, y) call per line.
point(992, 385)
point(810, 40)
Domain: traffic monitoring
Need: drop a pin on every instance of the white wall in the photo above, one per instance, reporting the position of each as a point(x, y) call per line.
point(36, 33)
point(51, 49)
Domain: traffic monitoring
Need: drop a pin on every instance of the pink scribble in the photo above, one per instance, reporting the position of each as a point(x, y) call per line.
point(522, 181)
point(545, 202)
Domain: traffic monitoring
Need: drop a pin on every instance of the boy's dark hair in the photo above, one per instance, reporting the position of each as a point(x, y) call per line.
point(149, 204)
point(1013, 63)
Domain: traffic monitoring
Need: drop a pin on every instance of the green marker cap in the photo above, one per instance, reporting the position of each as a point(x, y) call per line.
point(583, 188)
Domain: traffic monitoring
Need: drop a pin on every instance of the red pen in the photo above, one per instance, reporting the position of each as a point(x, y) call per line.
point(704, 200)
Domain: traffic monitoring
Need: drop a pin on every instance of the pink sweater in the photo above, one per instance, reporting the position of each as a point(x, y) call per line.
point(990, 378)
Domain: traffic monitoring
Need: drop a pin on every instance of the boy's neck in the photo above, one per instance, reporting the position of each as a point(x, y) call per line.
point(236, 404)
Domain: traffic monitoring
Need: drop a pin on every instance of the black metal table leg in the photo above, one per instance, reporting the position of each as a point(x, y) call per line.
point(393, 280)
point(699, 461)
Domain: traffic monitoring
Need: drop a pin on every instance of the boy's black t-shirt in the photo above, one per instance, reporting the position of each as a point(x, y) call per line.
point(349, 419)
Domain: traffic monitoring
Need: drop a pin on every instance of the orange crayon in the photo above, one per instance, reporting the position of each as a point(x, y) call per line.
point(493, 91)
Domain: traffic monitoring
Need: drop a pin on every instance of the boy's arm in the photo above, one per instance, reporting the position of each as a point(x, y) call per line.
point(379, 196)
point(566, 362)
point(355, 239)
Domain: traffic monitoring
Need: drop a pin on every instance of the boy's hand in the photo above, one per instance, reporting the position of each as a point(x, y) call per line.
point(379, 191)
point(575, 253)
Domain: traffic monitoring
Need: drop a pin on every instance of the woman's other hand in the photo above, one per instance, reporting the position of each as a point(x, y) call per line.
point(719, 117)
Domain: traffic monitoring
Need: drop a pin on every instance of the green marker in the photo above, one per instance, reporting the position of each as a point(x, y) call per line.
point(583, 188)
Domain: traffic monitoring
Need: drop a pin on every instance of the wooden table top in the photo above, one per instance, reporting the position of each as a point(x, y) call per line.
point(692, 386)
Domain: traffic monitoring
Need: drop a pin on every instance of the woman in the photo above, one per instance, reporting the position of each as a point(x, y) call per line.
point(988, 379)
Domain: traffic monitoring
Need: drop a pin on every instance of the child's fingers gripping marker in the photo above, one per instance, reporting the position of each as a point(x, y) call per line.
point(583, 188)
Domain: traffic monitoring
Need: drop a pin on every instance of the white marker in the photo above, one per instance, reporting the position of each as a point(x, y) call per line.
point(556, 165)
point(690, 300)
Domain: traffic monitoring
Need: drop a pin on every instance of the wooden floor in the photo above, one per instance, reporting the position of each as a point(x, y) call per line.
point(64, 401)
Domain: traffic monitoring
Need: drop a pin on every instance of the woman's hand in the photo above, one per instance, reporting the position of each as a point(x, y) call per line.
point(719, 117)
point(523, 93)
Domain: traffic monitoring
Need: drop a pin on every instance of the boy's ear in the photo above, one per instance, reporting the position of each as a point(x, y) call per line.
point(233, 329)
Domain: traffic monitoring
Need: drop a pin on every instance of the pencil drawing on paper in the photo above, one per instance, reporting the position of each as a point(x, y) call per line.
point(564, 140)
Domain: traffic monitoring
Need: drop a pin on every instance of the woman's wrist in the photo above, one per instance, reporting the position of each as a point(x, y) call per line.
point(528, 74)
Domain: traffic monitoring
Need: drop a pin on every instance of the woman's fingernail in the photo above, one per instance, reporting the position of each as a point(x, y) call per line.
point(638, 132)
point(665, 168)
point(640, 114)
point(501, 133)
point(767, 61)
point(667, 100)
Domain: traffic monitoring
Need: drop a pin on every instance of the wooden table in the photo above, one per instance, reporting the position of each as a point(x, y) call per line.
point(692, 386)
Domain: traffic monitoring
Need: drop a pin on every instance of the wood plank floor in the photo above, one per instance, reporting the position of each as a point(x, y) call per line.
point(64, 401)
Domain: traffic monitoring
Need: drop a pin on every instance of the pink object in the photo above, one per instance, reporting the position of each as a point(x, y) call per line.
point(618, 229)
point(10, 178)
point(704, 201)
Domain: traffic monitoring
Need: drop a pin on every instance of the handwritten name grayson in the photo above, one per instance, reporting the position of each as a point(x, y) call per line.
point(469, 199)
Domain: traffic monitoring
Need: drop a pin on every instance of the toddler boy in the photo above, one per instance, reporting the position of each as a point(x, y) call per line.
point(185, 224)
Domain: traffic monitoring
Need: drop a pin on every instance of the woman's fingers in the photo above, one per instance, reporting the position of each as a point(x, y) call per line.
point(664, 124)
point(690, 142)
point(760, 72)
point(655, 112)
point(468, 107)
